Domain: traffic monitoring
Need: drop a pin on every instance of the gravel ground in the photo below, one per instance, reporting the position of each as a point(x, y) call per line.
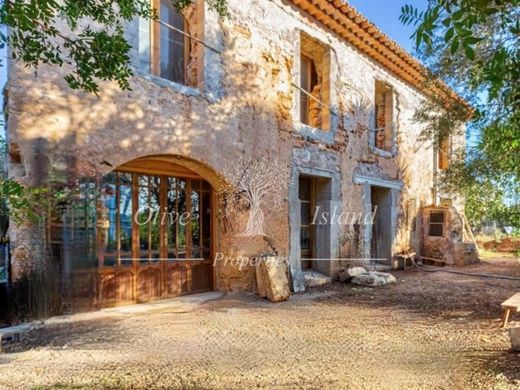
point(431, 330)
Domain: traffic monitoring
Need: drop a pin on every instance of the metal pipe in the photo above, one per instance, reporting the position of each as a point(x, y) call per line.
point(314, 98)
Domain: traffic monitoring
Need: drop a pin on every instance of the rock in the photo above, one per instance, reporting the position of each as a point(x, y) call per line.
point(347, 274)
point(272, 281)
point(515, 339)
point(316, 279)
point(260, 284)
point(373, 279)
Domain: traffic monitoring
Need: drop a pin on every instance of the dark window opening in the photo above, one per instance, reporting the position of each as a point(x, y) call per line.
point(172, 44)
point(436, 223)
point(383, 133)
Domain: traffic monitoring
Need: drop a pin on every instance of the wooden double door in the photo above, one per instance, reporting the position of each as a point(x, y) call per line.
point(155, 235)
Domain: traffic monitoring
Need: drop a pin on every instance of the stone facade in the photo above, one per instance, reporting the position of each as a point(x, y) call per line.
point(244, 103)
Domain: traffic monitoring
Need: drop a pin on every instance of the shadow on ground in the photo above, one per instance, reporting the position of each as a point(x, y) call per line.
point(84, 335)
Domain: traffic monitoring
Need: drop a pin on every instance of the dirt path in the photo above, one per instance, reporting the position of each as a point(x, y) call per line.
point(431, 330)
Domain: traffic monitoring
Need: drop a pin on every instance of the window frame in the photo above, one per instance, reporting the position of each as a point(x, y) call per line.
point(147, 256)
point(155, 45)
point(442, 224)
point(322, 66)
point(389, 128)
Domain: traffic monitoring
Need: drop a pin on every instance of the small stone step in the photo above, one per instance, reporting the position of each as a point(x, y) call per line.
point(316, 279)
point(13, 334)
point(374, 279)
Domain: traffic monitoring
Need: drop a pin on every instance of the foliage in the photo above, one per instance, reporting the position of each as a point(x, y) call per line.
point(87, 36)
point(17, 201)
point(484, 195)
point(22, 203)
point(474, 46)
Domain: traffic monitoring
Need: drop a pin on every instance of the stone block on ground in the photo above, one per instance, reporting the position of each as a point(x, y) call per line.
point(374, 279)
point(260, 283)
point(515, 339)
point(272, 281)
point(346, 275)
point(316, 279)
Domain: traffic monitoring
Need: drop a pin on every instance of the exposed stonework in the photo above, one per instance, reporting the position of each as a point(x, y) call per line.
point(449, 247)
point(244, 103)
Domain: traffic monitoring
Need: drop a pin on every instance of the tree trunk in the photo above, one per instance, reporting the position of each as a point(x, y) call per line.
point(255, 223)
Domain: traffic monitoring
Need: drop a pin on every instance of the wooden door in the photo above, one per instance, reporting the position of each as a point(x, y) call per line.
point(154, 237)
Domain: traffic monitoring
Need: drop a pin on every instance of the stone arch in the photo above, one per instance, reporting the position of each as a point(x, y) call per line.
point(165, 161)
point(169, 265)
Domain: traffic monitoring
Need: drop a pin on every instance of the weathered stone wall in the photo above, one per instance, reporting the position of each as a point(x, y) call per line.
point(246, 105)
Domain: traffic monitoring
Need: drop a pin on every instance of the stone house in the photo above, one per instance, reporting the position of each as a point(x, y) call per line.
point(309, 84)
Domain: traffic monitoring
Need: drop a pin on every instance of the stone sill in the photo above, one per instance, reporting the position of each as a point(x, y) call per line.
point(326, 136)
point(382, 153)
point(176, 87)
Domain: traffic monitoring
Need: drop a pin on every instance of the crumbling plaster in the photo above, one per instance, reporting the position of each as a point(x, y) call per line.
point(246, 105)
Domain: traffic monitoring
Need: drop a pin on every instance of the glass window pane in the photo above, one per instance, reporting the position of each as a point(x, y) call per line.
point(149, 218)
point(305, 213)
point(304, 73)
point(172, 218)
point(144, 216)
point(125, 218)
point(195, 219)
point(437, 216)
point(305, 238)
point(205, 206)
point(172, 44)
point(155, 222)
point(183, 218)
point(109, 219)
point(436, 229)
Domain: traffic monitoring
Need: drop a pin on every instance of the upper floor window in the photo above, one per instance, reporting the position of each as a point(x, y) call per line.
point(443, 153)
point(314, 84)
point(175, 54)
point(383, 134)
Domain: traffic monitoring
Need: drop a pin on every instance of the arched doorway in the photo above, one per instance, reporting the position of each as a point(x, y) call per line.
point(155, 231)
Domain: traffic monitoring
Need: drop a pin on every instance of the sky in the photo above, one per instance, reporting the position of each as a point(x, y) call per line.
point(385, 15)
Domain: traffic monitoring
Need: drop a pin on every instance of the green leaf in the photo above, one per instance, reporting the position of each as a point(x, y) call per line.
point(454, 46)
point(472, 40)
point(457, 15)
point(449, 34)
point(470, 53)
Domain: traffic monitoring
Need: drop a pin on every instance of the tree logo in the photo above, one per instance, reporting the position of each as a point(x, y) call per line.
point(251, 184)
